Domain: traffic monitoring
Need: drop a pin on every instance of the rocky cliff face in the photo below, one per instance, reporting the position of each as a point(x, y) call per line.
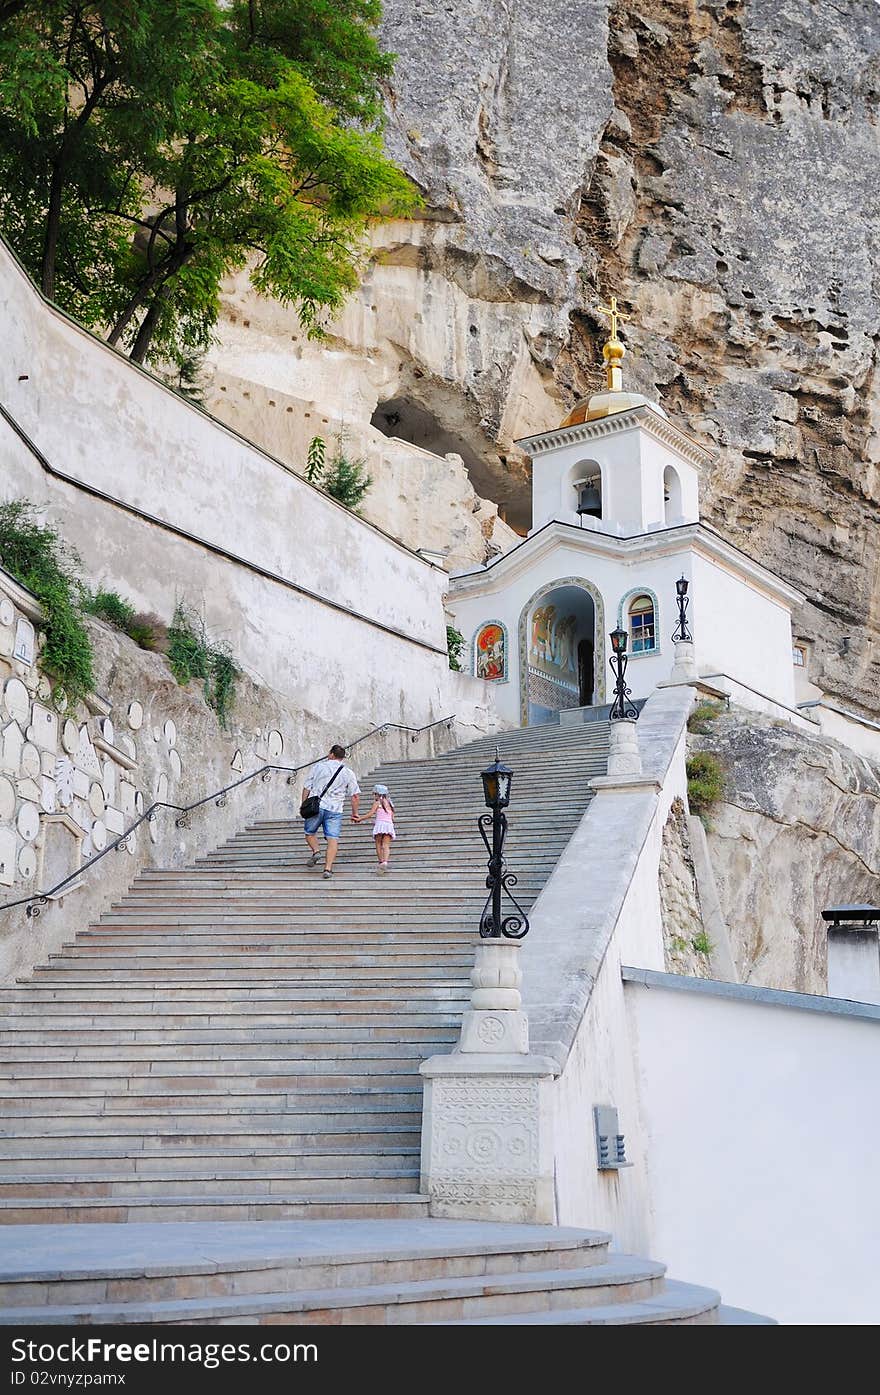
point(798, 830)
point(711, 163)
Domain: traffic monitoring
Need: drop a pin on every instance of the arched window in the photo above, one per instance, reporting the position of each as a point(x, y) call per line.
point(672, 506)
point(642, 625)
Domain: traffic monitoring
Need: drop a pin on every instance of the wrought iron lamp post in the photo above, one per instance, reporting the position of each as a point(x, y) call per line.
point(497, 780)
point(622, 710)
point(681, 634)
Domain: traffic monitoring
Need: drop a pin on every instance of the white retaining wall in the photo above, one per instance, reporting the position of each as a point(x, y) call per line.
point(761, 1135)
point(372, 649)
point(601, 908)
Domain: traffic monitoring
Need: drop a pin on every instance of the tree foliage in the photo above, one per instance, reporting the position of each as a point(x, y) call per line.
point(148, 147)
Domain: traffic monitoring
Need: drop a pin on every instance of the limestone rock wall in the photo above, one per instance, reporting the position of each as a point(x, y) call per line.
point(713, 164)
point(684, 938)
point(798, 830)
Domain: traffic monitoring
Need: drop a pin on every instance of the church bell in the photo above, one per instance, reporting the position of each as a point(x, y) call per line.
point(589, 500)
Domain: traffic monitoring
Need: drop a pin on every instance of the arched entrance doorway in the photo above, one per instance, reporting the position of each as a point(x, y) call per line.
point(561, 650)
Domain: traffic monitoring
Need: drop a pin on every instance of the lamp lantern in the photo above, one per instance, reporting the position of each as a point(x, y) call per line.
point(497, 779)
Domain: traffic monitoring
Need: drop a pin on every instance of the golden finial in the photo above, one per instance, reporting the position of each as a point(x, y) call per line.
point(613, 351)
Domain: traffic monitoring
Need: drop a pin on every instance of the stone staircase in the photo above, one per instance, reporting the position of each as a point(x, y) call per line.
point(240, 1042)
point(324, 1272)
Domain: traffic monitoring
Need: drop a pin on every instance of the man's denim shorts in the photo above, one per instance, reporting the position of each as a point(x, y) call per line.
point(325, 819)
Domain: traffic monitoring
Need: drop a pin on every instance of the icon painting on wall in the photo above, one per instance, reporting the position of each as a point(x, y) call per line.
point(491, 652)
point(554, 645)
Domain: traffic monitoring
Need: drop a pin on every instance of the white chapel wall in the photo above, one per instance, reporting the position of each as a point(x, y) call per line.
point(741, 631)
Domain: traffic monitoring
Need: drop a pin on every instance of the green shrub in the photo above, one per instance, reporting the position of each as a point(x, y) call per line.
point(146, 630)
point(346, 479)
point(703, 715)
point(701, 943)
point(38, 558)
point(705, 777)
point(454, 646)
point(192, 654)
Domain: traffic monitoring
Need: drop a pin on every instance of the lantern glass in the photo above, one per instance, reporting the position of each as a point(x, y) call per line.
point(681, 586)
point(497, 779)
point(618, 641)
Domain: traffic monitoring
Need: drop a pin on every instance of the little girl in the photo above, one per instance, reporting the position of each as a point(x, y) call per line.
point(383, 828)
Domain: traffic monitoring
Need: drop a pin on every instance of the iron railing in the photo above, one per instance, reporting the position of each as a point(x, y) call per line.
point(36, 900)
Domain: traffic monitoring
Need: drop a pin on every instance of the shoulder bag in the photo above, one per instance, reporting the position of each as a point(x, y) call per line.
point(312, 806)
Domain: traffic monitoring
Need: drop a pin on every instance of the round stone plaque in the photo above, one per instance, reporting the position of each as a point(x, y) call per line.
point(16, 700)
point(27, 863)
point(28, 822)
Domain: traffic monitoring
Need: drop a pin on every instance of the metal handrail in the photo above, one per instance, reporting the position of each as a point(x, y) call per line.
point(38, 899)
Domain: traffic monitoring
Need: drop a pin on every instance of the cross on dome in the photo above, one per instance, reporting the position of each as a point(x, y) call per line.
point(614, 398)
point(614, 315)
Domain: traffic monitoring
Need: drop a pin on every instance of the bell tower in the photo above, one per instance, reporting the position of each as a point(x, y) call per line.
point(616, 464)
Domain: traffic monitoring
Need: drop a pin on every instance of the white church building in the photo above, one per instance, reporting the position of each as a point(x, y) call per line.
point(615, 524)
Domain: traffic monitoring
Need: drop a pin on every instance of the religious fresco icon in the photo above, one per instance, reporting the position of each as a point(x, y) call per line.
point(490, 652)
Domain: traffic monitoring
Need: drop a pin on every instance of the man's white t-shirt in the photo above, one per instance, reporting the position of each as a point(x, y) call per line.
point(344, 784)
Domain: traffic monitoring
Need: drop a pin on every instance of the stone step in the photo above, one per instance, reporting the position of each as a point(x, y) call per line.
point(137, 1017)
point(53, 1265)
point(741, 1317)
point(79, 1182)
point(135, 1080)
point(217, 1073)
point(207, 937)
point(263, 954)
point(52, 1037)
point(401, 1302)
point(113, 1111)
point(214, 998)
point(21, 1133)
point(97, 1158)
point(316, 1206)
point(675, 1305)
point(318, 1048)
point(272, 973)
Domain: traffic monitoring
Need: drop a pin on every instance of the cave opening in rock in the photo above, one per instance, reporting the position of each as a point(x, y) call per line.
point(407, 420)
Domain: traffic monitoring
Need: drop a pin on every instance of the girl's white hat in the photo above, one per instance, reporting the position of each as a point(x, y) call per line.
point(380, 789)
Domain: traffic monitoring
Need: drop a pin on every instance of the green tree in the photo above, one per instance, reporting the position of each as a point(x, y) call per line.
point(147, 147)
point(346, 478)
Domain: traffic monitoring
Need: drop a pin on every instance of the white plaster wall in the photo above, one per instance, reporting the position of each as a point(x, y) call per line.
point(741, 631)
point(94, 416)
point(97, 418)
point(862, 737)
point(762, 1136)
point(572, 987)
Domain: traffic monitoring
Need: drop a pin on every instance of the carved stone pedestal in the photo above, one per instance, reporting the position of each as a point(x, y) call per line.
point(624, 756)
point(486, 1135)
point(684, 670)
